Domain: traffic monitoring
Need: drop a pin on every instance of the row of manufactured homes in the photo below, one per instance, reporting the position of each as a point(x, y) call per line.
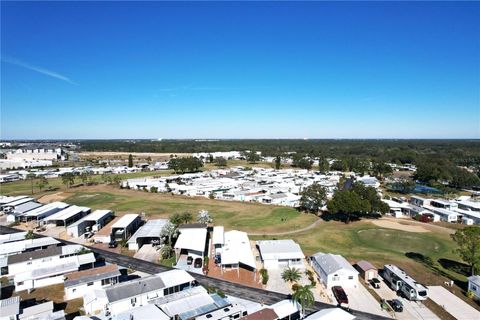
point(267, 186)
point(462, 210)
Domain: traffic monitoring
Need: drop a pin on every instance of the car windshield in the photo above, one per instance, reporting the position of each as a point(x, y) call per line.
point(423, 293)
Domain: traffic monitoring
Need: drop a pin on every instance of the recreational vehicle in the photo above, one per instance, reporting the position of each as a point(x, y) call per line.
point(404, 284)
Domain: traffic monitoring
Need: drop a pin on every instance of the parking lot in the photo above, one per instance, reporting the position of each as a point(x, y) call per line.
point(411, 309)
point(452, 304)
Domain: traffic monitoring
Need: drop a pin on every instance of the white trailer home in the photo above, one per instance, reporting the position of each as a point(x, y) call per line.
point(26, 261)
point(78, 283)
point(401, 282)
point(51, 272)
point(334, 270)
point(279, 254)
point(124, 296)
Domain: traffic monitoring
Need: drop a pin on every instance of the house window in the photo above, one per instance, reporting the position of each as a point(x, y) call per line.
point(74, 290)
point(336, 277)
point(474, 288)
point(90, 284)
point(350, 278)
point(29, 262)
point(133, 300)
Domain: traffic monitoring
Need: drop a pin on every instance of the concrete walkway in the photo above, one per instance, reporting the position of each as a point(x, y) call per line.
point(452, 304)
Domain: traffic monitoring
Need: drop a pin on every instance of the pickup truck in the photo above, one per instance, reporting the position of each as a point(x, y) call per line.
point(340, 295)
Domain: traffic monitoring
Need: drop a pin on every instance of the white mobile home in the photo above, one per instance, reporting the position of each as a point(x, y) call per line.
point(78, 283)
point(16, 247)
point(29, 260)
point(51, 273)
point(191, 242)
point(237, 252)
point(474, 285)
point(136, 293)
point(445, 214)
point(277, 254)
point(334, 270)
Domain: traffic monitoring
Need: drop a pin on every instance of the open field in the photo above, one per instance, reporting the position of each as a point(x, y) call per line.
point(233, 215)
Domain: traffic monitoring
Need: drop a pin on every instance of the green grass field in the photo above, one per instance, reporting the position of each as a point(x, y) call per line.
point(365, 241)
point(233, 215)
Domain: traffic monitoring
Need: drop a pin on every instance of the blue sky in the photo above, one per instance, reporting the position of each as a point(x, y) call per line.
point(240, 70)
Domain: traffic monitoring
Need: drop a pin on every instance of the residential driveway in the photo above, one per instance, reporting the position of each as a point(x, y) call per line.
point(275, 283)
point(411, 309)
point(452, 304)
point(148, 253)
point(360, 299)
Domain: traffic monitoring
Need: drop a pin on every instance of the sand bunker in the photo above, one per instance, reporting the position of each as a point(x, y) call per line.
point(58, 196)
point(399, 226)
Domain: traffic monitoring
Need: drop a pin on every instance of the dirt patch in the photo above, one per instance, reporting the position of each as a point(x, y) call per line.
point(399, 226)
point(58, 196)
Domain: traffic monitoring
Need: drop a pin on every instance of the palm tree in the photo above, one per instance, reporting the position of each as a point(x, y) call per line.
point(291, 275)
point(304, 296)
point(169, 231)
point(166, 251)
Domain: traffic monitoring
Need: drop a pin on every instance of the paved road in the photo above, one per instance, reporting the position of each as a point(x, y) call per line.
point(230, 288)
point(452, 304)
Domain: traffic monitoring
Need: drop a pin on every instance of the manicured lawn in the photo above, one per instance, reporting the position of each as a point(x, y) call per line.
point(365, 241)
point(233, 215)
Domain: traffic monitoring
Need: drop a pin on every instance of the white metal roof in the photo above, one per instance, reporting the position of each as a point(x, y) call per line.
point(331, 313)
point(67, 213)
point(18, 202)
point(37, 310)
point(218, 235)
point(237, 249)
point(125, 221)
point(22, 245)
point(331, 263)
point(7, 199)
point(175, 277)
point(46, 208)
point(192, 239)
point(280, 249)
point(151, 229)
point(10, 237)
point(285, 308)
point(95, 216)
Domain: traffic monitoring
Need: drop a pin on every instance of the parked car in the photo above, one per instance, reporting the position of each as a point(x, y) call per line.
point(198, 263)
point(189, 260)
point(112, 244)
point(375, 283)
point(396, 305)
point(340, 295)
